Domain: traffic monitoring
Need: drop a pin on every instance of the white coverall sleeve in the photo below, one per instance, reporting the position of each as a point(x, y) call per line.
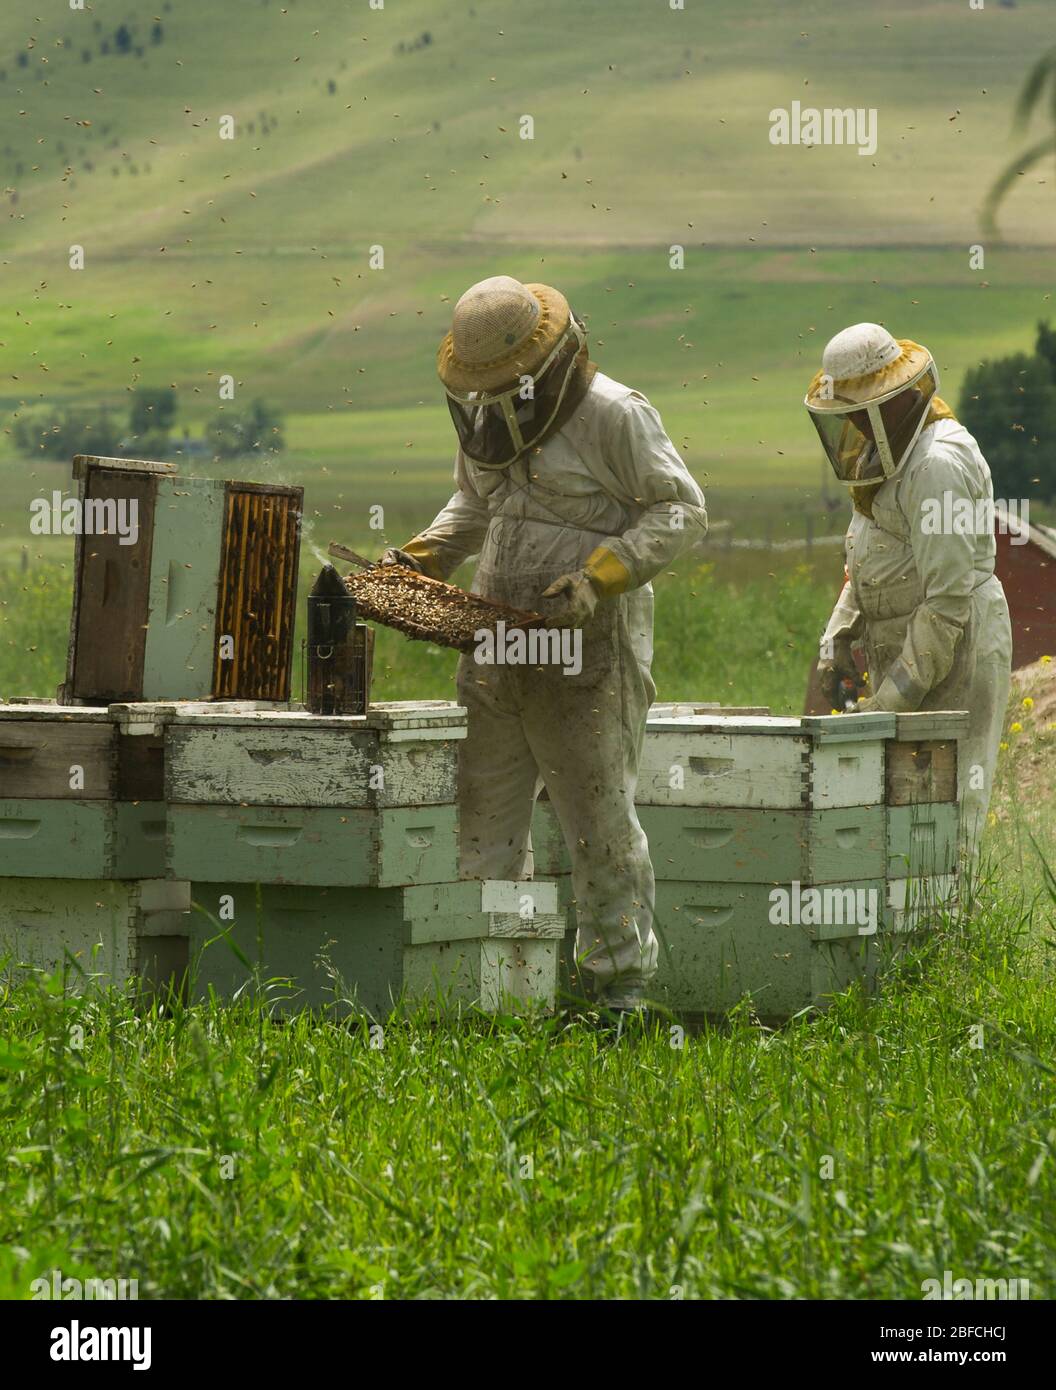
point(946, 565)
point(638, 451)
point(456, 532)
point(846, 620)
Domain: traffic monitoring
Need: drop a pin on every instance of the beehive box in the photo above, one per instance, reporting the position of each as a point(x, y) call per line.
point(921, 759)
point(742, 845)
point(398, 754)
point(736, 806)
point(77, 797)
point(102, 931)
point(813, 763)
point(326, 801)
point(189, 609)
point(722, 941)
point(468, 943)
point(82, 788)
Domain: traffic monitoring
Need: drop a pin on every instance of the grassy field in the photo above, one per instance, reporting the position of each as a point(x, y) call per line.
point(212, 1153)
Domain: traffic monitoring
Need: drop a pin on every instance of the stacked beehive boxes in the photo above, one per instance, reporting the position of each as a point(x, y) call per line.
point(779, 865)
point(82, 847)
point(349, 824)
point(923, 821)
point(243, 840)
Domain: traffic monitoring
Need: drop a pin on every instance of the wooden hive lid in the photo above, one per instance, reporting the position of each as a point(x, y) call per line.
point(45, 711)
point(820, 728)
point(931, 725)
point(395, 721)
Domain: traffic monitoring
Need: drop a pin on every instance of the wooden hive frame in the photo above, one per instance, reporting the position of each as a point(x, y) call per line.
point(429, 610)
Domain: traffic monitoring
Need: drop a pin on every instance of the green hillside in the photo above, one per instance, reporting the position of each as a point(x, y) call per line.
point(399, 128)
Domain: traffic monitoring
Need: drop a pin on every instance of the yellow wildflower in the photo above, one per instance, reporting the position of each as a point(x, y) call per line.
point(1016, 728)
point(1028, 703)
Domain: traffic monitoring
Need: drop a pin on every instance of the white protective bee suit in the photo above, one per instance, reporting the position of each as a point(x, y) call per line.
point(922, 599)
point(610, 478)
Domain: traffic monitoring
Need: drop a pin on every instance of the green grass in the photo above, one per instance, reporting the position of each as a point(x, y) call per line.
point(211, 1152)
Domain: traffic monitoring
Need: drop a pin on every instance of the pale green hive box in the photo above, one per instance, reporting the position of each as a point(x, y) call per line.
point(78, 799)
point(813, 763)
point(371, 949)
point(101, 931)
point(287, 797)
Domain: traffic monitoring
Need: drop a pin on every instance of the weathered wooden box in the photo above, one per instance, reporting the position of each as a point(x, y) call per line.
point(328, 801)
point(722, 941)
point(81, 790)
point(742, 844)
point(327, 846)
point(102, 931)
point(921, 759)
point(196, 602)
point(398, 754)
point(82, 839)
point(737, 808)
point(816, 762)
point(369, 949)
point(53, 752)
point(923, 839)
point(914, 903)
point(77, 797)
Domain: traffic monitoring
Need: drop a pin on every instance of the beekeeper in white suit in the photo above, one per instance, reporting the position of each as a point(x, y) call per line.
point(921, 596)
point(574, 497)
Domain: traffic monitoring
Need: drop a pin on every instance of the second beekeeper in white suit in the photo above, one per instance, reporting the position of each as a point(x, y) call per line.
point(921, 596)
point(574, 497)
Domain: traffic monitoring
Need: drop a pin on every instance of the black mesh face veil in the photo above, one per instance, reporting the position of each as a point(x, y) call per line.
point(496, 427)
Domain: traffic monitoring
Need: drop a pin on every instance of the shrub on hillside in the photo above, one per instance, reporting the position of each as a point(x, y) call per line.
point(1010, 406)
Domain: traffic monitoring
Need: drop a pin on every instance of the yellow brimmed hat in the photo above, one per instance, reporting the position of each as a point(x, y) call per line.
point(870, 401)
point(862, 364)
point(501, 330)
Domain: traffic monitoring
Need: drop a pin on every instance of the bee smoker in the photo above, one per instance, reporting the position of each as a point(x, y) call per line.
point(340, 650)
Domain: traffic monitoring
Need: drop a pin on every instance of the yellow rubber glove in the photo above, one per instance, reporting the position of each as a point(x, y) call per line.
point(609, 575)
point(420, 554)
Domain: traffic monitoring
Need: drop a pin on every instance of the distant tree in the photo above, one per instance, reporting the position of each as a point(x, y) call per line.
point(331, 86)
point(157, 33)
point(123, 39)
point(255, 430)
point(23, 60)
point(61, 432)
point(1046, 346)
point(1010, 406)
point(153, 408)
